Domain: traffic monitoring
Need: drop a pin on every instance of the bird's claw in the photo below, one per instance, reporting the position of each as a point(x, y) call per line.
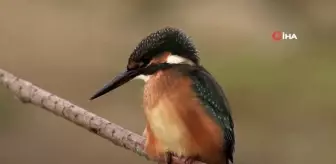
point(168, 156)
point(190, 160)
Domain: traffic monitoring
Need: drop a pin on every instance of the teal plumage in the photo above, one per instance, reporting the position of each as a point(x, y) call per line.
point(212, 97)
point(214, 100)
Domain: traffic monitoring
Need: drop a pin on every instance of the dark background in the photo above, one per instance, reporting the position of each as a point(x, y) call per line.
point(282, 93)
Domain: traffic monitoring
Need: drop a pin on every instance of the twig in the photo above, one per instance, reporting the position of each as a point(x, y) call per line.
point(29, 93)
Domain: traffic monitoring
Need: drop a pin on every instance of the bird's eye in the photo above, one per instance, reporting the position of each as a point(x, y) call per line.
point(141, 64)
point(136, 65)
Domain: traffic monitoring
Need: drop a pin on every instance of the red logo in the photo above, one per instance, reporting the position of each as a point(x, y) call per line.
point(277, 35)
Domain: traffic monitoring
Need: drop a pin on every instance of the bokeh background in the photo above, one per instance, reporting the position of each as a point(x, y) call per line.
point(282, 93)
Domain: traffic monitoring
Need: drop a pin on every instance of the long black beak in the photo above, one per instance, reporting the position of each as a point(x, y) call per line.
point(118, 81)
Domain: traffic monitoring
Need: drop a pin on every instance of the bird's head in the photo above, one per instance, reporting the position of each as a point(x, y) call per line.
point(160, 49)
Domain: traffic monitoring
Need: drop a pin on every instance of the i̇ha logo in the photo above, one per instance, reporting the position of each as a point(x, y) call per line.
point(278, 35)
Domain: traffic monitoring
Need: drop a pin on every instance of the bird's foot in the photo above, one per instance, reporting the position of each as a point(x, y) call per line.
point(190, 160)
point(168, 156)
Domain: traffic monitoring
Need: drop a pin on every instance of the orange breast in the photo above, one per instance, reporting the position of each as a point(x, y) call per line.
point(177, 121)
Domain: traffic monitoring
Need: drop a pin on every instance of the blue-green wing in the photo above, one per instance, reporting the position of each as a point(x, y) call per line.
point(214, 100)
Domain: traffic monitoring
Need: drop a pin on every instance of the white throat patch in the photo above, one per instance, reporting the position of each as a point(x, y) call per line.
point(143, 77)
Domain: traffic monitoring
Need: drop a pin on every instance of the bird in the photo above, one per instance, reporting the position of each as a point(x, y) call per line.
point(186, 111)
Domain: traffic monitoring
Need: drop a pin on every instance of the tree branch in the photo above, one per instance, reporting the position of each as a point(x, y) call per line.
point(29, 93)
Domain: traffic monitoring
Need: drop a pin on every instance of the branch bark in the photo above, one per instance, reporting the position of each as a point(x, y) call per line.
point(29, 93)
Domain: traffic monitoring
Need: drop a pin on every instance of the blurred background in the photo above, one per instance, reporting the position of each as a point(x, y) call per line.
point(282, 93)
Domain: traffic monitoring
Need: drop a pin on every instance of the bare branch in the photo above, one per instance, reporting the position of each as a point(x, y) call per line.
point(29, 93)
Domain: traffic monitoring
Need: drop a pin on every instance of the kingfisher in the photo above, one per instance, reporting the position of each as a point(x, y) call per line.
point(187, 113)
